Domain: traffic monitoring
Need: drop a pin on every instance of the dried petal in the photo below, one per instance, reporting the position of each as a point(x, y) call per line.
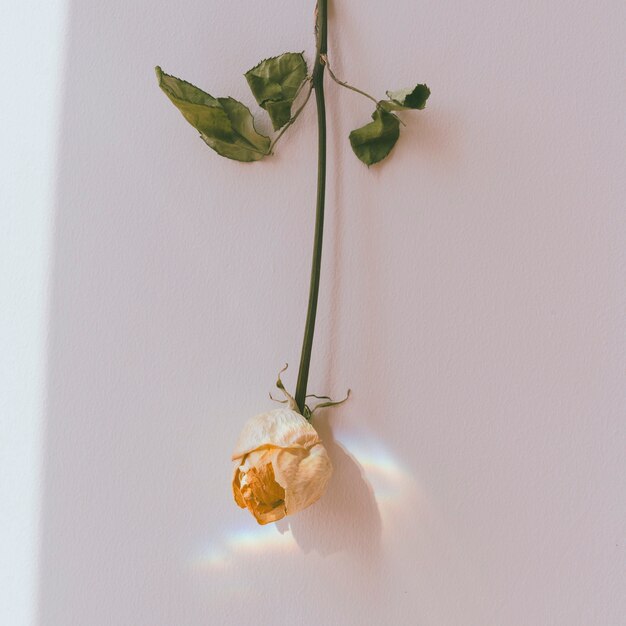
point(306, 476)
point(281, 428)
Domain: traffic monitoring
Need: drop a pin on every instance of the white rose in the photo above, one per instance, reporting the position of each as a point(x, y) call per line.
point(281, 466)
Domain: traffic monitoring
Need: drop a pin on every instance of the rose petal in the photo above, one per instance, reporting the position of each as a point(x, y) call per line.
point(281, 428)
point(271, 516)
point(263, 486)
point(304, 475)
point(256, 488)
point(237, 487)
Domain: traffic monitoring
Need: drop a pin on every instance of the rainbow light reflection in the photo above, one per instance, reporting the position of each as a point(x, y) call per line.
point(251, 541)
point(390, 481)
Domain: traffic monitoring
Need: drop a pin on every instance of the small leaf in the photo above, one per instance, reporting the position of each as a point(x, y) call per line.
point(275, 82)
point(374, 141)
point(403, 99)
point(225, 124)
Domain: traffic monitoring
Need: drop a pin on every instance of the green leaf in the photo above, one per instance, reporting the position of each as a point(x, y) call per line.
point(403, 99)
point(374, 141)
point(247, 144)
point(225, 124)
point(279, 112)
point(275, 83)
point(200, 109)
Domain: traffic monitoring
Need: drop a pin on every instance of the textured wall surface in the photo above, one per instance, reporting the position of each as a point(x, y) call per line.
point(472, 297)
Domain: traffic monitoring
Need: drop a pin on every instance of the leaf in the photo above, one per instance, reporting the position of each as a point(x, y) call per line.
point(247, 144)
point(279, 112)
point(225, 124)
point(275, 83)
point(374, 141)
point(403, 99)
point(200, 109)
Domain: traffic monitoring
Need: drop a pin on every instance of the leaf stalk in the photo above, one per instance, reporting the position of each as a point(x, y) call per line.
point(343, 83)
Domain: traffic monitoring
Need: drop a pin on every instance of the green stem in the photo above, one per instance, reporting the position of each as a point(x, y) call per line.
point(318, 86)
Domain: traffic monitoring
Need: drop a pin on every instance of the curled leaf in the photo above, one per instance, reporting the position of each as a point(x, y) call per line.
point(225, 124)
point(374, 141)
point(275, 84)
point(403, 99)
point(246, 144)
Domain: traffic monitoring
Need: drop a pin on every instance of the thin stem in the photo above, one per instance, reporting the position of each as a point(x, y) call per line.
point(317, 82)
point(344, 83)
point(294, 117)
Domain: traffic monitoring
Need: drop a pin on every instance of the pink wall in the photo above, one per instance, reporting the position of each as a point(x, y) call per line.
point(472, 297)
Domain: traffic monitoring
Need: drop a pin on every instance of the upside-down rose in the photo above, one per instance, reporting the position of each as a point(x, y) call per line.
point(281, 466)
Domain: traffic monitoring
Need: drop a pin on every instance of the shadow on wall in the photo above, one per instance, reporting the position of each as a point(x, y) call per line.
point(346, 518)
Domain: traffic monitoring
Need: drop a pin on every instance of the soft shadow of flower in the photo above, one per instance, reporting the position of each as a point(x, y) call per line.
point(346, 518)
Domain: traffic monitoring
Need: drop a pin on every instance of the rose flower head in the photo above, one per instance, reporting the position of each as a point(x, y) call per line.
point(281, 466)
